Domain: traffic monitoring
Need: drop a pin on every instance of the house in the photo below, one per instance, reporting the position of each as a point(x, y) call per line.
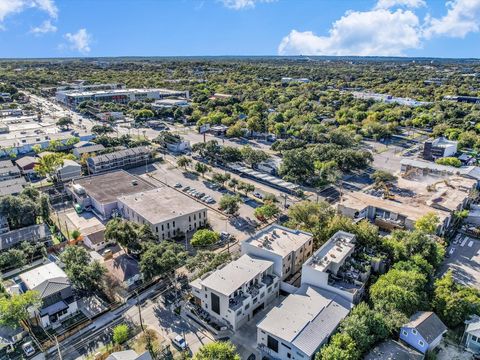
point(121, 159)
point(100, 192)
point(471, 336)
point(26, 165)
point(8, 171)
point(333, 268)
point(301, 324)
point(169, 213)
point(90, 227)
point(90, 149)
point(12, 186)
point(424, 331)
point(10, 336)
point(125, 269)
point(69, 170)
point(393, 350)
point(234, 293)
point(129, 355)
point(56, 293)
point(439, 148)
point(33, 234)
point(286, 248)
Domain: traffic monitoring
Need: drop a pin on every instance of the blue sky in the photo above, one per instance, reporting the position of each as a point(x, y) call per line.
point(64, 28)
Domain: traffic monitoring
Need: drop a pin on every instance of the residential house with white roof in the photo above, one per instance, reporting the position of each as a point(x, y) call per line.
point(234, 293)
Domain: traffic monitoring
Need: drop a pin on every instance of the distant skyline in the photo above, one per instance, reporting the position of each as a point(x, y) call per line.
point(96, 28)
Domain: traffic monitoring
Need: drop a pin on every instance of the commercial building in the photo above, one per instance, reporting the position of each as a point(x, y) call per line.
point(333, 268)
point(122, 159)
point(286, 248)
point(439, 148)
point(169, 213)
point(301, 324)
point(100, 192)
point(234, 293)
point(56, 293)
point(415, 167)
point(170, 103)
point(389, 215)
point(72, 98)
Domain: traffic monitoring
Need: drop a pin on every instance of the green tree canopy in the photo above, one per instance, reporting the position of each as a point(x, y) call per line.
point(204, 237)
point(220, 350)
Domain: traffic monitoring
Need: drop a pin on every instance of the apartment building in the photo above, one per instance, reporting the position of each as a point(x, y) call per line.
point(439, 148)
point(286, 248)
point(169, 213)
point(234, 293)
point(333, 268)
point(122, 159)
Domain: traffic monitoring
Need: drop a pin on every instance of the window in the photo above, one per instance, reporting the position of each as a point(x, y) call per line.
point(174, 224)
point(215, 303)
point(414, 332)
point(189, 219)
point(289, 355)
point(239, 312)
point(194, 217)
point(421, 343)
point(272, 343)
point(404, 332)
point(247, 306)
point(168, 225)
point(288, 347)
point(474, 338)
point(162, 227)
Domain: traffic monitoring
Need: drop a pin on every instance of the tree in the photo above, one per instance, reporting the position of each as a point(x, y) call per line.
point(202, 168)
point(84, 274)
point(449, 161)
point(382, 177)
point(310, 216)
point(326, 173)
point(266, 212)
point(15, 308)
point(230, 204)
point(399, 290)
point(76, 234)
point(101, 129)
point(48, 164)
point(220, 350)
point(341, 347)
point(246, 187)
point(183, 161)
point(454, 302)
point(124, 233)
point(428, 223)
point(252, 156)
point(65, 122)
point(161, 258)
point(233, 183)
point(121, 333)
point(204, 237)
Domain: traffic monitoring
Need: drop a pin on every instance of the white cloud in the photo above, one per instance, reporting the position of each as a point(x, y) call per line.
point(375, 32)
point(463, 17)
point(387, 4)
point(79, 41)
point(45, 27)
point(243, 4)
point(9, 7)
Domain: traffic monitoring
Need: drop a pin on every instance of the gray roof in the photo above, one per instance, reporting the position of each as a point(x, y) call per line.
point(6, 164)
point(393, 350)
point(428, 325)
point(7, 334)
point(307, 318)
point(123, 267)
point(129, 355)
point(106, 187)
point(473, 327)
point(31, 233)
point(12, 186)
point(89, 149)
point(81, 144)
point(47, 279)
point(119, 154)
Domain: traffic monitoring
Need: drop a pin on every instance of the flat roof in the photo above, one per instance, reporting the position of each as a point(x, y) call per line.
point(236, 273)
point(279, 239)
point(118, 92)
point(107, 187)
point(359, 201)
point(307, 318)
point(335, 250)
point(162, 204)
point(37, 276)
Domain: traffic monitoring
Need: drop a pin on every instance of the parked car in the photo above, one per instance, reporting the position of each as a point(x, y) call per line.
point(258, 195)
point(28, 348)
point(186, 188)
point(180, 342)
point(178, 185)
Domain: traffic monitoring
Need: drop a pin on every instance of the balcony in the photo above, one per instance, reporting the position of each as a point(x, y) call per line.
point(237, 301)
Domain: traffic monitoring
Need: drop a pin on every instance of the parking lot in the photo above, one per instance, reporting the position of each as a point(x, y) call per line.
point(463, 258)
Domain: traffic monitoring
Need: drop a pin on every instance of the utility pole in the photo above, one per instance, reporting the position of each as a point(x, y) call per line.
point(139, 312)
point(58, 348)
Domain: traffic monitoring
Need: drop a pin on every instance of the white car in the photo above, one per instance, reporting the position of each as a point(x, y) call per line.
point(28, 348)
point(180, 342)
